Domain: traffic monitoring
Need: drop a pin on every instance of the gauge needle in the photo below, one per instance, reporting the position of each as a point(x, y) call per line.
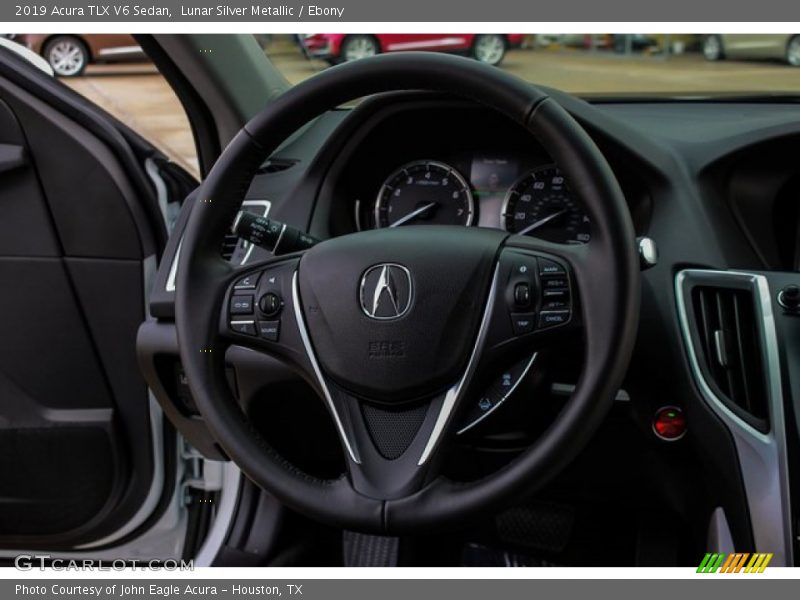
point(413, 214)
point(541, 222)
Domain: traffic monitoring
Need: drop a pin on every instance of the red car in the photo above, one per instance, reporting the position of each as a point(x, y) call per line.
point(340, 47)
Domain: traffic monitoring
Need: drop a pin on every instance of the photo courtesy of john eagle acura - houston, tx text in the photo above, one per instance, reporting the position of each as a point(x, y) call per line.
point(399, 299)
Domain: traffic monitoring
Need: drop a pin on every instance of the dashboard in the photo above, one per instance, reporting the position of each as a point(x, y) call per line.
point(715, 185)
point(454, 164)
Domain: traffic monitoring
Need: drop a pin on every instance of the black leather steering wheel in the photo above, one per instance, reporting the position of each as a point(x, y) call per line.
point(395, 327)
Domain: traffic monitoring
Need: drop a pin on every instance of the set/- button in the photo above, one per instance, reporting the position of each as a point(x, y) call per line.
point(241, 305)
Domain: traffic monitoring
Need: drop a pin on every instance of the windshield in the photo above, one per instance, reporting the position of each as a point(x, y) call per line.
point(584, 64)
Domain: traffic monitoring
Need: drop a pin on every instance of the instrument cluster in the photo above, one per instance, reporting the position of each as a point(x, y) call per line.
point(486, 191)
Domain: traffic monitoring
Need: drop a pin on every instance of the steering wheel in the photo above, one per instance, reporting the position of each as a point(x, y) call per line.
point(395, 328)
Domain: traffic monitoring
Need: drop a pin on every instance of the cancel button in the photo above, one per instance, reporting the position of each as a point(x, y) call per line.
point(554, 317)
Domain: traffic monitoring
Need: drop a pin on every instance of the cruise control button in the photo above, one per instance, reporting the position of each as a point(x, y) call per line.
point(550, 318)
point(246, 327)
point(555, 305)
point(548, 267)
point(247, 283)
point(241, 305)
point(561, 294)
point(523, 323)
point(269, 330)
point(554, 282)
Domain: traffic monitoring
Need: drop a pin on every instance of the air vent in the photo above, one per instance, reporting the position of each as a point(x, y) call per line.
point(728, 330)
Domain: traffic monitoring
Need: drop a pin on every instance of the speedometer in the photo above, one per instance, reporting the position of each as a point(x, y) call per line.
point(541, 205)
point(424, 192)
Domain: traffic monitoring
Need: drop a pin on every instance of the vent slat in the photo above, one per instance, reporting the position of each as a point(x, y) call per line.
point(727, 327)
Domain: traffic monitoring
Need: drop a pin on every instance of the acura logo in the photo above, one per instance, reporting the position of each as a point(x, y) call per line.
point(386, 291)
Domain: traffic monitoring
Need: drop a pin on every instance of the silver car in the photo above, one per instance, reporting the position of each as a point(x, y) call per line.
point(782, 46)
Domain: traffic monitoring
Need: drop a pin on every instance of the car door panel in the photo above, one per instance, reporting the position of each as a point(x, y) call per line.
point(76, 447)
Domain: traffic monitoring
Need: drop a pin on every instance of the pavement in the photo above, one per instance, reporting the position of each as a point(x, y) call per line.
point(136, 94)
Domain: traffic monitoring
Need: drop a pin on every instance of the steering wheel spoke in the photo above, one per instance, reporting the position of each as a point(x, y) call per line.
point(388, 442)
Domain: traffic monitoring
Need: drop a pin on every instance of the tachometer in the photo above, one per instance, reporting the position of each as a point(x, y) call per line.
point(424, 192)
point(541, 205)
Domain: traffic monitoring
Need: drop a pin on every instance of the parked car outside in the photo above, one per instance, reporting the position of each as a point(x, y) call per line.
point(70, 54)
point(336, 47)
point(779, 46)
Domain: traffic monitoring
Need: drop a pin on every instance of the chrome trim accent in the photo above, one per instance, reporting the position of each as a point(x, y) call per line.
point(383, 284)
point(173, 268)
point(454, 393)
point(648, 252)
point(278, 242)
point(762, 456)
point(504, 398)
point(301, 326)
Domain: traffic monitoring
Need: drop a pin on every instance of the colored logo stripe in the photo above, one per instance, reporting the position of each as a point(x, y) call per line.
point(734, 563)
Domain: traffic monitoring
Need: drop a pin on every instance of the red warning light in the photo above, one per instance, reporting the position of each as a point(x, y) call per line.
point(669, 423)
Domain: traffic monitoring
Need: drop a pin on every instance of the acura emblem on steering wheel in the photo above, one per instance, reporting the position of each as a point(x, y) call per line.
point(386, 291)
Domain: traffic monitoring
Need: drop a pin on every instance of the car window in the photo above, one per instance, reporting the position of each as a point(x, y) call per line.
point(604, 64)
point(112, 71)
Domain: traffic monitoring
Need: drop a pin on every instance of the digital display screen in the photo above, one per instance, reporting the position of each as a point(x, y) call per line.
point(492, 176)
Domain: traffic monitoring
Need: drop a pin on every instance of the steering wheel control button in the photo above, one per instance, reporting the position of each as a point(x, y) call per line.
point(550, 283)
point(269, 330)
point(523, 323)
point(270, 304)
point(247, 283)
point(669, 423)
point(555, 299)
point(241, 305)
point(550, 318)
point(789, 298)
point(497, 393)
point(549, 267)
point(522, 294)
point(246, 327)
